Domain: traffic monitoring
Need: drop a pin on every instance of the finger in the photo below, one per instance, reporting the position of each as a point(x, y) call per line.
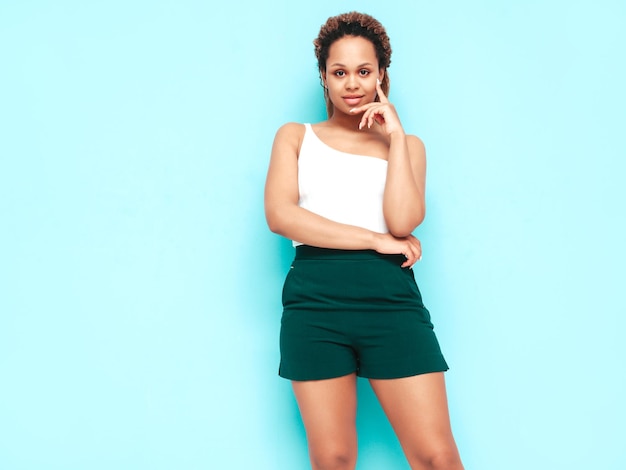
point(366, 118)
point(407, 263)
point(381, 94)
point(410, 255)
point(406, 253)
point(365, 107)
point(416, 252)
point(376, 114)
point(363, 121)
point(418, 248)
point(410, 262)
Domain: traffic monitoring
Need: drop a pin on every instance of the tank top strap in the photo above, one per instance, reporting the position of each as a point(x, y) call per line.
point(308, 140)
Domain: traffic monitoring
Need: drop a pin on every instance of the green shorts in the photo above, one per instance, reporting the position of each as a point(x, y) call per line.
point(357, 311)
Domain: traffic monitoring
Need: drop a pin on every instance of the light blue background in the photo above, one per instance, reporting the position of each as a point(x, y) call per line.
point(140, 287)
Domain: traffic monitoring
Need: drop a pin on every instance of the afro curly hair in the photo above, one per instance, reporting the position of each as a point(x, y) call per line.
point(353, 24)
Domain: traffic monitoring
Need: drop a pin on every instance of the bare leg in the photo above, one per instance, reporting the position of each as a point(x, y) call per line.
point(417, 409)
point(328, 409)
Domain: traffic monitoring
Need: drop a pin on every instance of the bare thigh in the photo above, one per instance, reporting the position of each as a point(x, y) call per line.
point(417, 408)
point(328, 410)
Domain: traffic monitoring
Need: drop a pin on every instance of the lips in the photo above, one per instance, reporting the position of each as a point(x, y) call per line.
point(352, 100)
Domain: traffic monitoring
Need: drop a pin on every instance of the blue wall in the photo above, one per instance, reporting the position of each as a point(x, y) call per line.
point(139, 285)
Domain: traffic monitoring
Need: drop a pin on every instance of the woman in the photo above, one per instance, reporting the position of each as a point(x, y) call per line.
point(349, 191)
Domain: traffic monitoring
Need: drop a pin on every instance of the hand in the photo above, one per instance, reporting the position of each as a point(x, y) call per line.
point(381, 112)
point(409, 246)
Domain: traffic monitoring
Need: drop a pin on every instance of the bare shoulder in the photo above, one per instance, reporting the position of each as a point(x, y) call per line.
point(291, 134)
point(416, 145)
point(417, 154)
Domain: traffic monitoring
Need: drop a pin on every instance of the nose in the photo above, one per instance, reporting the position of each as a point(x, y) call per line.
point(352, 83)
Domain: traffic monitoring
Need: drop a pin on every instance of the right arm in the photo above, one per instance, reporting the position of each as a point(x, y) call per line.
point(286, 218)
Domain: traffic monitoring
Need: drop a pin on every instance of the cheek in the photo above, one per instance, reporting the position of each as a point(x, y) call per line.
point(334, 88)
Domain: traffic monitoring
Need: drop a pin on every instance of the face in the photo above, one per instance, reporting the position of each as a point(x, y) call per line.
point(351, 72)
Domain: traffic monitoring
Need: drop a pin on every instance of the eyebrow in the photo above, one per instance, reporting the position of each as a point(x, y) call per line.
point(337, 64)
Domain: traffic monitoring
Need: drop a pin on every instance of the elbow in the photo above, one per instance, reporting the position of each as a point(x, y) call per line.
point(400, 232)
point(280, 216)
point(406, 225)
point(273, 224)
point(275, 221)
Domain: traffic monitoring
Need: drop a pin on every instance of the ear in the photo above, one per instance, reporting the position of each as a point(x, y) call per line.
point(381, 75)
point(323, 77)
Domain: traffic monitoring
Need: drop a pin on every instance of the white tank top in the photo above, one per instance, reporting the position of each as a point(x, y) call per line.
point(340, 186)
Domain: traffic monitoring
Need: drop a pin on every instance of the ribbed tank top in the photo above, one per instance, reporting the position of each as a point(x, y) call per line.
point(341, 186)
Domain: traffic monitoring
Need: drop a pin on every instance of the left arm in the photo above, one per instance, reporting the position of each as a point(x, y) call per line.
point(404, 205)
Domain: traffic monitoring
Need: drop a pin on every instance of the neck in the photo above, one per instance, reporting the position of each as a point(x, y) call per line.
point(347, 121)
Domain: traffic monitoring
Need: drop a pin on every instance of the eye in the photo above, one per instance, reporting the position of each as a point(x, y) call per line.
point(364, 72)
point(340, 73)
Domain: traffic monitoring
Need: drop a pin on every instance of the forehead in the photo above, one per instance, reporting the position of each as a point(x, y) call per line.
point(352, 50)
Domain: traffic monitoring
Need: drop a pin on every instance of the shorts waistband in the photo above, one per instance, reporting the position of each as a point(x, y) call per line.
point(312, 252)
